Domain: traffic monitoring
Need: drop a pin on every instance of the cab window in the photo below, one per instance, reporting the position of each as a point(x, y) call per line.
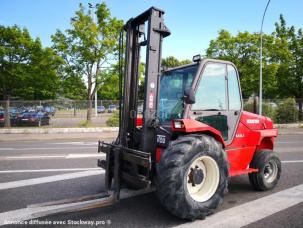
point(233, 89)
point(211, 91)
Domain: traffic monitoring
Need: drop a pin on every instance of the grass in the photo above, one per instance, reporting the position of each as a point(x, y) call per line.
point(113, 121)
point(85, 123)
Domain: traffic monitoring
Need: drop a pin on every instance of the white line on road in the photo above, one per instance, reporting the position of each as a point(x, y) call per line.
point(42, 180)
point(66, 156)
point(81, 169)
point(295, 161)
point(29, 157)
point(84, 156)
point(47, 170)
point(252, 211)
point(41, 211)
point(50, 148)
point(75, 143)
point(287, 142)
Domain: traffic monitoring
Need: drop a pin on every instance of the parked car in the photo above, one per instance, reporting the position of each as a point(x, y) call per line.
point(101, 109)
point(33, 119)
point(112, 108)
point(13, 114)
point(50, 110)
point(13, 118)
point(1, 119)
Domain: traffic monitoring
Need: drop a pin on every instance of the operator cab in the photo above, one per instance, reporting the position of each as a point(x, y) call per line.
point(216, 88)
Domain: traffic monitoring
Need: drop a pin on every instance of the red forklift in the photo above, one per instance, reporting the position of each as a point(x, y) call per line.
point(193, 134)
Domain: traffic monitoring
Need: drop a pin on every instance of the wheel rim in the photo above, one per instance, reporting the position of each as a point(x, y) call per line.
point(203, 178)
point(270, 171)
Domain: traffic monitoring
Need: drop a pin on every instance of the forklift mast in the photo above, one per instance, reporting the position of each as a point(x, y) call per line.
point(152, 34)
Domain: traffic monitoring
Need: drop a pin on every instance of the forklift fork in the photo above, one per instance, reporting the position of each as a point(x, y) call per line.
point(116, 156)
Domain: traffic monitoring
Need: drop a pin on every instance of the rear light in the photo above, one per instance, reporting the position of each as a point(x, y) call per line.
point(139, 121)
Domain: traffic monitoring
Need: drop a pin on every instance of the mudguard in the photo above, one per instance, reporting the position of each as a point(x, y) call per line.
point(194, 126)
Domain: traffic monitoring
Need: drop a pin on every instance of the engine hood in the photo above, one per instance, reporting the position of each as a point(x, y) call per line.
point(255, 121)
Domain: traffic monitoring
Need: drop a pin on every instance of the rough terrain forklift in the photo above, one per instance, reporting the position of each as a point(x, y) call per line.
point(193, 134)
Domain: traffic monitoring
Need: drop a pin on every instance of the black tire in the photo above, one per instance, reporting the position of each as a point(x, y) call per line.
point(171, 180)
point(262, 160)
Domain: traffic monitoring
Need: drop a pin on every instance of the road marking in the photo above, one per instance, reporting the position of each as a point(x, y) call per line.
point(75, 143)
point(84, 156)
point(29, 157)
point(66, 156)
point(252, 211)
point(51, 148)
point(287, 142)
point(289, 150)
point(43, 180)
point(47, 170)
point(41, 211)
point(295, 161)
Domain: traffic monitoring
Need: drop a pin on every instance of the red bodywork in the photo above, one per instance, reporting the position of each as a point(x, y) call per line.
point(253, 133)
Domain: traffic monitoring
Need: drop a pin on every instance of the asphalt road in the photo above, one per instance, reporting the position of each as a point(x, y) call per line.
point(35, 172)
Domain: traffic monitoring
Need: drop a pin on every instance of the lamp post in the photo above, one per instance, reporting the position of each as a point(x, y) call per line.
point(96, 94)
point(261, 57)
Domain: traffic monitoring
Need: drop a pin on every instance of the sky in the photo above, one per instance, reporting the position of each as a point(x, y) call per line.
point(193, 23)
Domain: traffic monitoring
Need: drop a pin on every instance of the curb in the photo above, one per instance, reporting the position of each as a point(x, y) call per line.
point(293, 125)
point(57, 130)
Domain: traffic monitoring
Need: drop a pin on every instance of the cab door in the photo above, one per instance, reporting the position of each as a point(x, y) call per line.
point(218, 99)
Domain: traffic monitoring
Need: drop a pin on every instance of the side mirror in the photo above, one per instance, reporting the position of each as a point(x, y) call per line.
point(189, 96)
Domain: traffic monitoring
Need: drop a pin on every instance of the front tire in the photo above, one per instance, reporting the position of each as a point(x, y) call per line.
point(192, 176)
point(269, 166)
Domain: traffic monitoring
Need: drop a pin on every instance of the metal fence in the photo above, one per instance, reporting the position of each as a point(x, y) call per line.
point(72, 113)
point(60, 113)
point(280, 110)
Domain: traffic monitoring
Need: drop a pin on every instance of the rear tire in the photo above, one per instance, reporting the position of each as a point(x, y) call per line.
point(269, 166)
point(192, 176)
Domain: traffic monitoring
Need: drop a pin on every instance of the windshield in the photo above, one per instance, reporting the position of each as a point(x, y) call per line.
point(172, 86)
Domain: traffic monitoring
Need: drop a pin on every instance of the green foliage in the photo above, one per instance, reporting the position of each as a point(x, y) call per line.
point(243, 50)
point(87, 46)
point(109, 86)
point(290, 72)
point(73, 87)
point(27, 70)
point(171, 62)
point(282, 60)
point(113, 121)
point(287, 111)
point(84, 123)
point(268, 109)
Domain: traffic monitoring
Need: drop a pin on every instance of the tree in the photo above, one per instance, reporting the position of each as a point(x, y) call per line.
point(15, 45)
point(243, 51)
point(41, 79)
point(73, 87)
point(171, 62)
point(290, 73)
point(87, 46)
point(109, 87)
point(27, 70)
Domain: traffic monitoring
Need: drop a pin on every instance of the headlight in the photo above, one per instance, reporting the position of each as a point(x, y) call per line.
point(178, 124)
